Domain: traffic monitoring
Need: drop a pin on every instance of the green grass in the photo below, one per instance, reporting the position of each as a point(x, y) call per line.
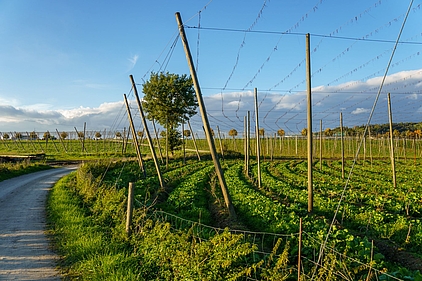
point(87, 249)
point(86, 222)
point(11, 170)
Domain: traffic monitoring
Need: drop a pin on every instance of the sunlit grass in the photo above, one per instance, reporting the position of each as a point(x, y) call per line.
point(10, 170)
point(88, 252)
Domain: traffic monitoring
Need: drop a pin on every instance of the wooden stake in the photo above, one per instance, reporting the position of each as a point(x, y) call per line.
point(157, 137)
point(61, 140)
point(83, 138)
point(393, 163)
point(205, 122)
point(309, 110)
point(194, 141)
point(221, 144)
point(135, 137)
point(299, 254)
point(342, 145)
point(146, 131)
point(320, 145)
point(129, 211)
point(248, 141)
point(258, 145)
point(183, 143)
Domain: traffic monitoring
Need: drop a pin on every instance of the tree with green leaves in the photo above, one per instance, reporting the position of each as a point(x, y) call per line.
point(281, 133)
point(170, 100)
point(64, 135)
point(328, 132)
point(186, 133)
point(33, 135)
point(174, 139)
point(46, 135)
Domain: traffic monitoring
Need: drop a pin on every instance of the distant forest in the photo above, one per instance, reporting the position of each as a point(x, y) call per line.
point(408, 130)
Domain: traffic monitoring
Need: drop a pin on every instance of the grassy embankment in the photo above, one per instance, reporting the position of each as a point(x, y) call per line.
point(87, 222)
point(10, 170)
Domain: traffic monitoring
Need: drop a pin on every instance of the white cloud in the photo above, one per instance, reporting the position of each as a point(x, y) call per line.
point(360, 110)
point(227, 110)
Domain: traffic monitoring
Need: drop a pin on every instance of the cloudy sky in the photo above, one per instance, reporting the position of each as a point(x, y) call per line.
point(63, 63)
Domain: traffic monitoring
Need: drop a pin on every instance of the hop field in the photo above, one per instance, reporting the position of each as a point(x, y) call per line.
point(376, 232)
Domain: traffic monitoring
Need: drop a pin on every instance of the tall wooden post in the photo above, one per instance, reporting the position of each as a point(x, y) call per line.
point(370, 144)
point(194, 141)
point(309, 110)
point(320, 145)
point(134, 137)
point(80, 139)
point(299, 252)
point(342, 145)
point(205, 122)
point(33, 145)
point(83, 138)
point(157, 137)
point(129, 210)
point(258, 145)
point(245, 143)
point(183, 142)
point(393, 163)
point(144, 122)
point(248, 141)
point(220, 142)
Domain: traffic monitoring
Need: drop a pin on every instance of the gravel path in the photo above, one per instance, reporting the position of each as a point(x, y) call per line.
point(24, 247)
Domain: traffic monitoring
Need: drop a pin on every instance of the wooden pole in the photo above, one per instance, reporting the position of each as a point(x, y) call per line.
point(129, 211)
point(342, 145)
point(320, 145)
point(221, 144)
point(299, 254)
point(135, 137)
point(144, 122)
point(393, 163)
point(57, 150)
point(5, 142)
point(248, 141)
point(194, 141)
point(124, 138)
point(370, 144)
point(157, 137)
point(83, 138)
point(183, 143)
point(205, 122)
point(258, 146)
point(245, 143)
point(61, 140)
point(30, 140)
point(309, 110)
point(77, 135)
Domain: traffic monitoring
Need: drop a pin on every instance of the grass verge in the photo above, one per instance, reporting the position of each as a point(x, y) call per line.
point(87, 250)
point(11, 170)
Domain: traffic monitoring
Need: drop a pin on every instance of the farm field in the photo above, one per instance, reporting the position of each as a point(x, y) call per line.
point(375, 230)
point(271, 147)
point(376, 234)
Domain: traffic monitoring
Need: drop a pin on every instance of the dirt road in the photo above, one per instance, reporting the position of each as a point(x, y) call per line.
point(24, 248)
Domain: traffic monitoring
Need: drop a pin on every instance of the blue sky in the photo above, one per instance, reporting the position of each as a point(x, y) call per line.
point(63, 63)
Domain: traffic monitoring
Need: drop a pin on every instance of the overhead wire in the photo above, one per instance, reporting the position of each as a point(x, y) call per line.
point(363, 137)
